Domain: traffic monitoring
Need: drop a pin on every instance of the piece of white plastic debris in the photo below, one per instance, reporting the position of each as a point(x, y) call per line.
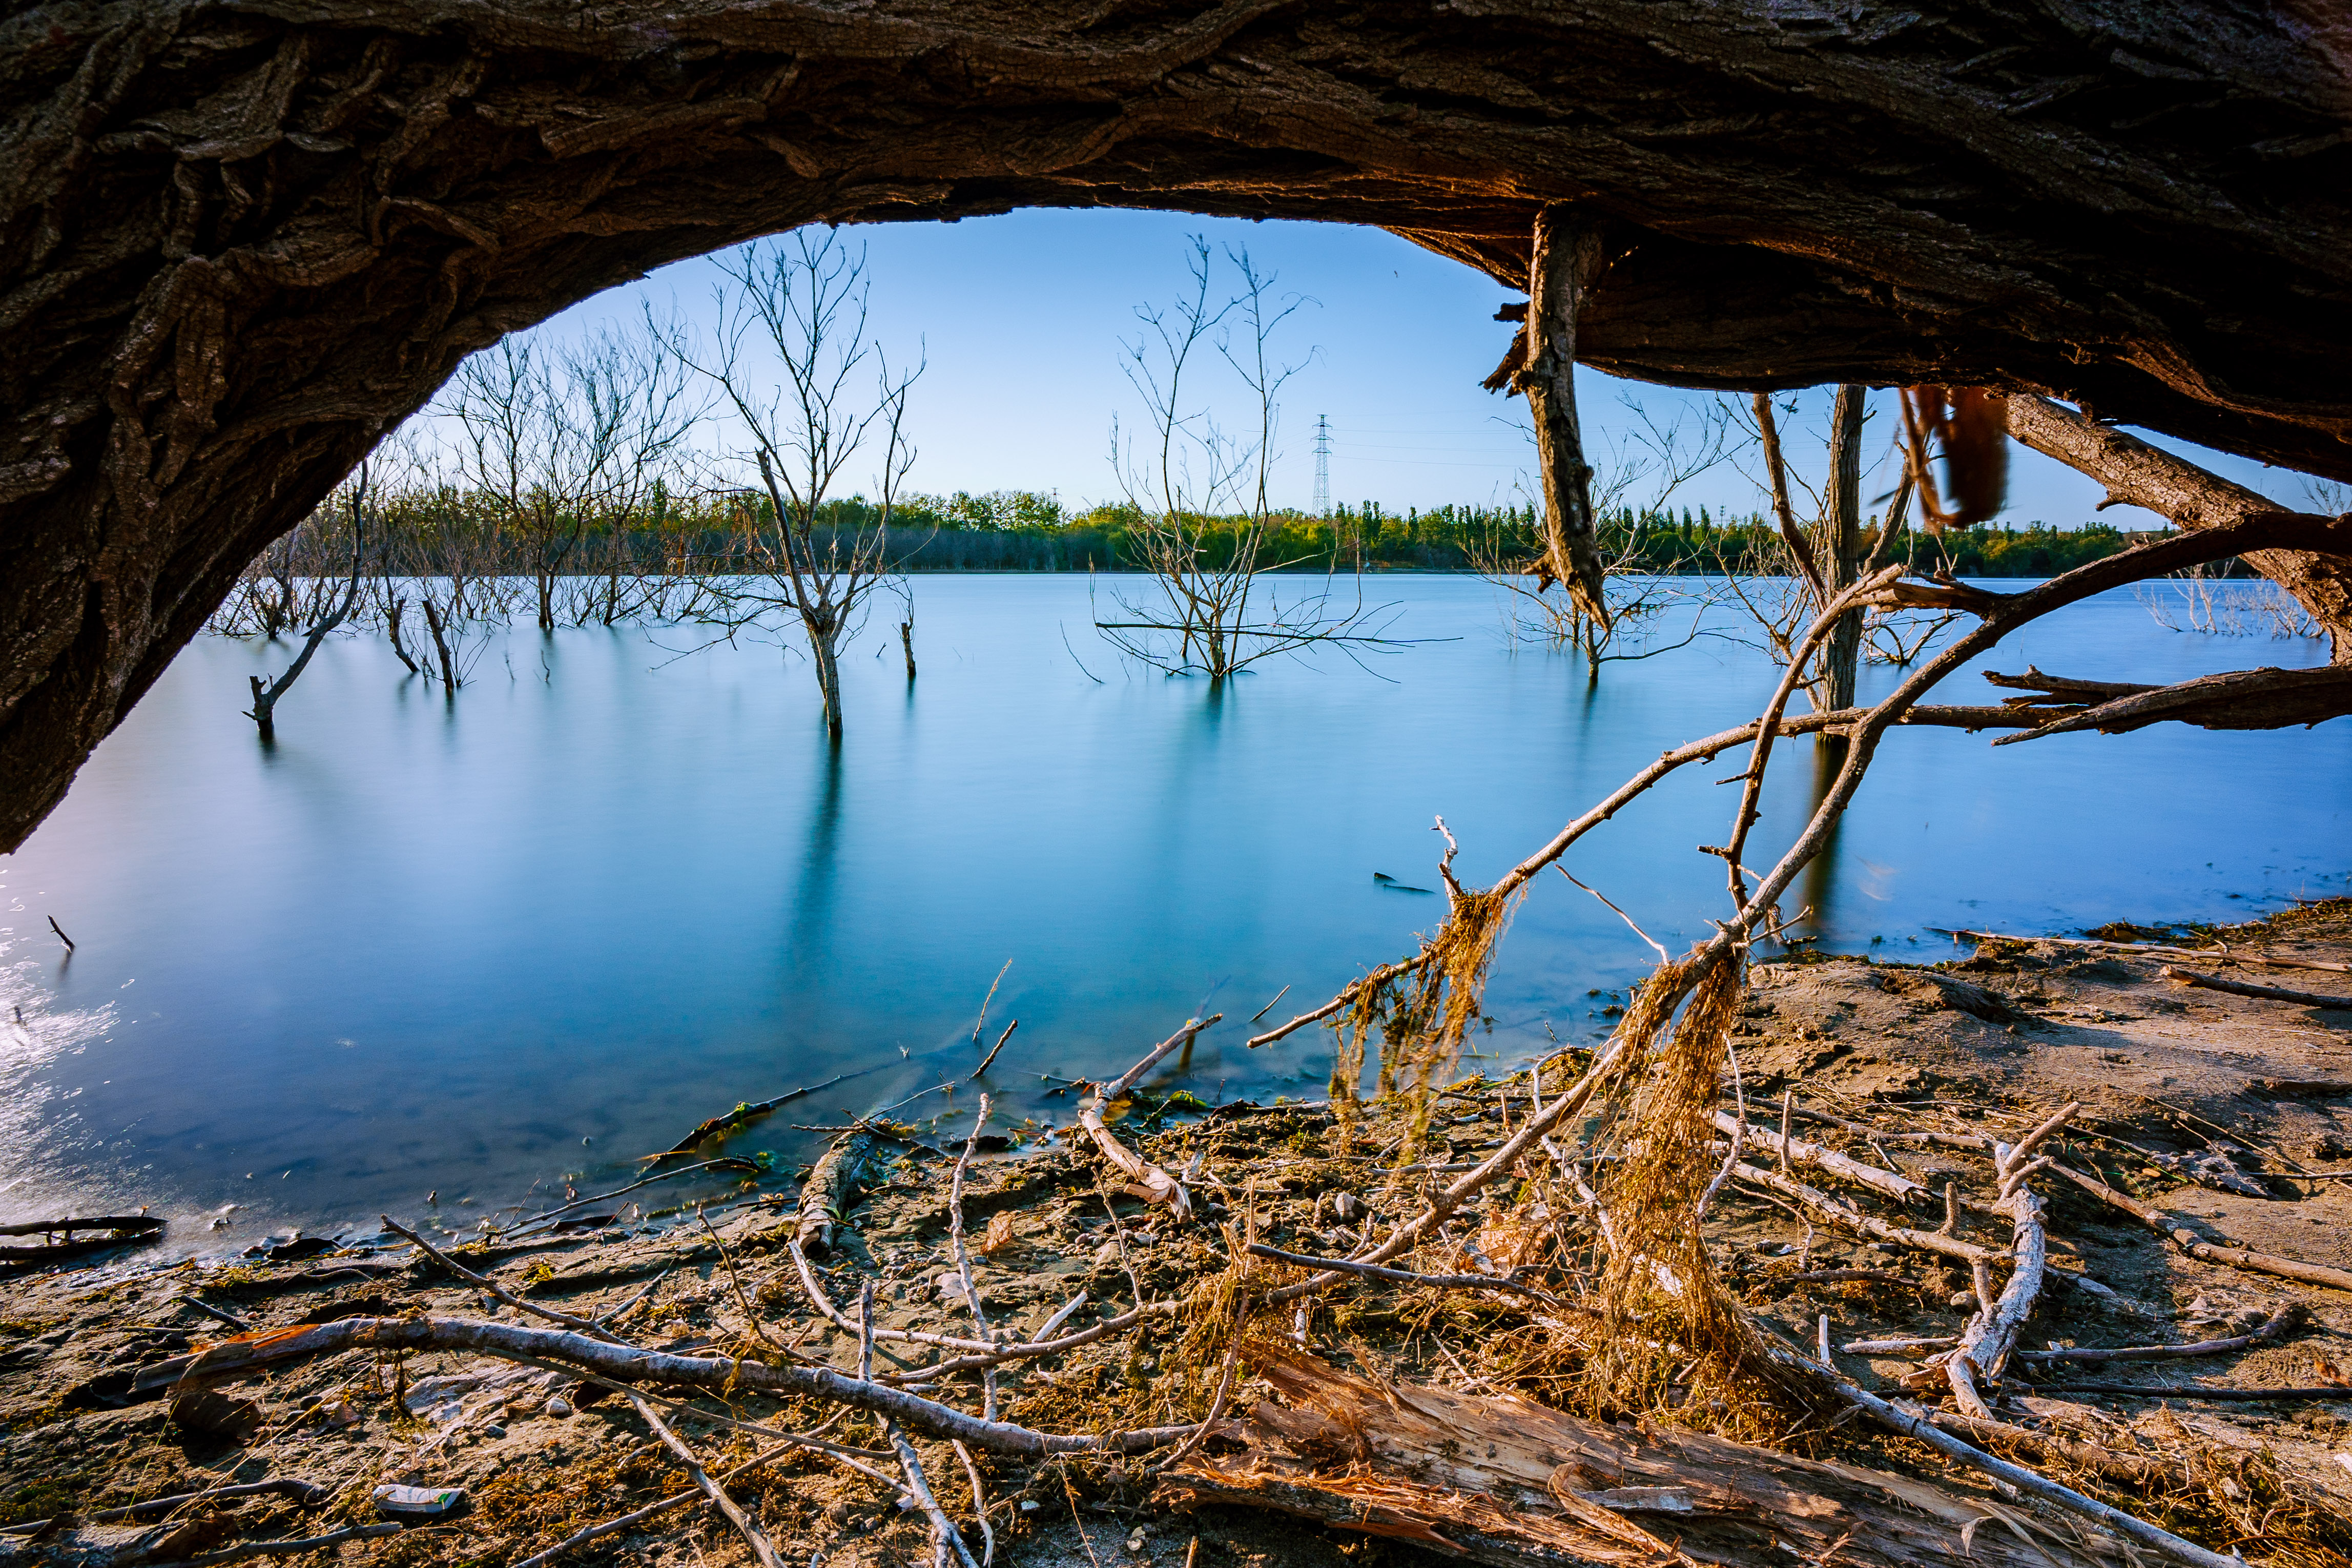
point(419, 1503)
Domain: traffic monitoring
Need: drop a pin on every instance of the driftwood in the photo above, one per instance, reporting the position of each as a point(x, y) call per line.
point(613, 1526)
point(762, 1550)
point(2280, 1324)
point(2190, 1242)
point(742, 1116)
point(124, 1230)
point(2267, 992)
point(1868, 1225)
point(239, 1357)
point(1903, 1189)
point(1910, 1421)
point(1145, 1179)
point(831, 1190)
point(2128, 1468)
point(1505, 1482)
point(1986, 1342)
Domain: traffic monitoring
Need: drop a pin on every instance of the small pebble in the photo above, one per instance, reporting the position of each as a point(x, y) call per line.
point(558, 1407)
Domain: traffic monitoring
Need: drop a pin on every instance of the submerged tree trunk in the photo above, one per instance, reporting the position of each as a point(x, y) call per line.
point(238, 244)
point(1842, 551)
point(828, 675)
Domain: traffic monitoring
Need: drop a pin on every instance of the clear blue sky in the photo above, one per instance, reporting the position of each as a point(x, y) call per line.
point(1020, 317)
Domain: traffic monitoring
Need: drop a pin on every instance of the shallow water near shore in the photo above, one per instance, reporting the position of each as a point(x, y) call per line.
point(477, 947)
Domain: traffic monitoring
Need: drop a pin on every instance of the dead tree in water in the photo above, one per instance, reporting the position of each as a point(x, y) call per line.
point(1782, 587)
point(266, 693)
point(1658, 459)
point(804, 301)
point(557, 438)
point(1198, 493)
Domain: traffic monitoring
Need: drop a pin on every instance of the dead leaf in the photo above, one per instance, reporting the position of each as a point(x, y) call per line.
point(1000, 1232)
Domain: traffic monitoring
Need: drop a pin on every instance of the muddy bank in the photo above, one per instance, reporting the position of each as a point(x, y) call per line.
point(2224, 1115)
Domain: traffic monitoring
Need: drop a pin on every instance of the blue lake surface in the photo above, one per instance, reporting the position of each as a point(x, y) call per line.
point(608, 891)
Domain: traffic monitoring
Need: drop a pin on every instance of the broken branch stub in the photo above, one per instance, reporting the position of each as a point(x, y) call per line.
point(1145, 1179)
point(1568, 260)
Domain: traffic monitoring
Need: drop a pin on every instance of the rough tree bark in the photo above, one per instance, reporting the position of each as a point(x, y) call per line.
point(2136, 474)
point(1842, 512)
point(238, 240)
point(1567, 261)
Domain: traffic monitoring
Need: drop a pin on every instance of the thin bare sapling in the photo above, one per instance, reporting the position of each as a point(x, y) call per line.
point(1782, 585)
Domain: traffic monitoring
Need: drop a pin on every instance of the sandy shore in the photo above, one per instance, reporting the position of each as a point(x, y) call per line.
point(2226, 1111)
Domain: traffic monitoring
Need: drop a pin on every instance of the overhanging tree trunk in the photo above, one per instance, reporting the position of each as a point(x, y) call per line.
point(237, 243)
point(2136, 474)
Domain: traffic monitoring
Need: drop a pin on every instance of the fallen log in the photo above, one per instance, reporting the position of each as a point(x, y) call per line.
point(1501, 1481)
point(123, 1230)
point(831, 1190)
point(249, 1353)
point(2277, 1328)
point(2265, 992)
point(2189, 1241)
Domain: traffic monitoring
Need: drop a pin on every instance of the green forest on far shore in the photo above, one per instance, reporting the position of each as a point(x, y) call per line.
point(1027, 531)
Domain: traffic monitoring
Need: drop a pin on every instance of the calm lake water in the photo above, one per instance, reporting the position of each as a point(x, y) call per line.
point(482, 946)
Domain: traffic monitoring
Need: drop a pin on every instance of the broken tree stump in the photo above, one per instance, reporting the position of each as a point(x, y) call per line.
point(1505, 1482)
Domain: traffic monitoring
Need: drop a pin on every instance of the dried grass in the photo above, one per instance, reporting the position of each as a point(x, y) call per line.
point(1424, 1014)
point(1671, 1334)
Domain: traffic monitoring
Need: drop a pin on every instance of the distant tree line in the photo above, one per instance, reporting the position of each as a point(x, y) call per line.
point(1026, 531)
point(645, 559)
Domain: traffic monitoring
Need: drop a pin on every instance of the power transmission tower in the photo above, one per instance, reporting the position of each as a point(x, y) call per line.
point(1322, 465)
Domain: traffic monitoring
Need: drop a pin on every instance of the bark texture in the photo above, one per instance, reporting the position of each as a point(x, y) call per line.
point(1567, 262)
point(2138, 474)
point(1513, 1485)
point(1842, 542)
point(238, 240)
